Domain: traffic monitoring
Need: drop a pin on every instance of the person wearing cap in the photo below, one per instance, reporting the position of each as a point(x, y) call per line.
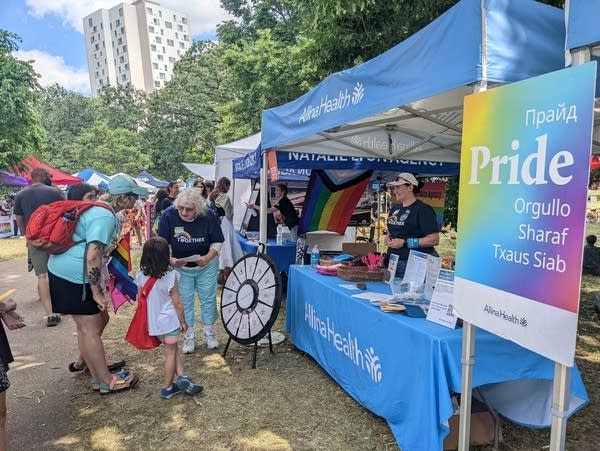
point(194, 234)
point(411, 223)
point(79, 275)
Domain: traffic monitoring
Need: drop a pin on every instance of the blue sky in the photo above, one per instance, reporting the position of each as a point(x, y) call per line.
point(52, 33)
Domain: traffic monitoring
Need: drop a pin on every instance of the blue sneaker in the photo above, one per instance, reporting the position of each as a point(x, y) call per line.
point(186, 384)
point(168, 393)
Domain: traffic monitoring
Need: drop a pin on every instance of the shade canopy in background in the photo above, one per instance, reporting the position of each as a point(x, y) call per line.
point(93, 177)
point(147, 177)
point(240, 189)
point(25, 167)
point(10, 179)
point(206, 171)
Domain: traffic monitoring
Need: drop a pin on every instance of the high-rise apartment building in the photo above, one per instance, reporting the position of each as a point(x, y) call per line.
point(134, 45)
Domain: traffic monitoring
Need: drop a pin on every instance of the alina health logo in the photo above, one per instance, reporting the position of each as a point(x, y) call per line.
point(327, 104)
point(347, 344)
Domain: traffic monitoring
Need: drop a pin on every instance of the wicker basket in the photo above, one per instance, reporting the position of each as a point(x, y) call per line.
point(360, 273)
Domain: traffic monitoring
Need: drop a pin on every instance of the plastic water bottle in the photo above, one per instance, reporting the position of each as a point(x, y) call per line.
point(279, 235)
point(300, 244)
point(314, 256)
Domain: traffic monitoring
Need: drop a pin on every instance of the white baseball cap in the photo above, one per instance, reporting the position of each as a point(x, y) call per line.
point(404, 178)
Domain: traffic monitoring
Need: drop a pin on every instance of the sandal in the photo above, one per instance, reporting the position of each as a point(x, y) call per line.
point(118, 384)
point(77, 366)
point(121, 374)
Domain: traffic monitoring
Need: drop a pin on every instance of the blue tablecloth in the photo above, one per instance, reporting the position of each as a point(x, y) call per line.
point(282, 254)
point(402, 368)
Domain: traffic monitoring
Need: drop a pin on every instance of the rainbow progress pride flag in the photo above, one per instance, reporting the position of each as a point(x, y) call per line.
point(123, 288)
point(331, 197)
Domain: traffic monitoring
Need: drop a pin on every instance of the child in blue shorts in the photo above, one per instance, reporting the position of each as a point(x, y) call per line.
point(165, 314)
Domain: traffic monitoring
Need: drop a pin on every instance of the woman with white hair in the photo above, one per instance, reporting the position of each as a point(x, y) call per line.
point(194, 234)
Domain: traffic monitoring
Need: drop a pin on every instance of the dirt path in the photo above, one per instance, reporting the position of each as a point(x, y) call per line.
point(39, 399)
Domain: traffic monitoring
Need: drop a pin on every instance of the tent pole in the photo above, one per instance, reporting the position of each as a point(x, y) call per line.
point(263, 201)
point(562, 373)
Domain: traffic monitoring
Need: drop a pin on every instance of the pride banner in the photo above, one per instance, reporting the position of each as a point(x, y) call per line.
point(331, 197)
point(525, 162)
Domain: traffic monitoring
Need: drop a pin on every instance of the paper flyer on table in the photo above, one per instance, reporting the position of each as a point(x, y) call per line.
point(441, 307)
point(374, 298)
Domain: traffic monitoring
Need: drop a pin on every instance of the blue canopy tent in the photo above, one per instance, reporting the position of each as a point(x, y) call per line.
point(93, 177)
point(145, 176)
point(406, 104)
point(297, 165)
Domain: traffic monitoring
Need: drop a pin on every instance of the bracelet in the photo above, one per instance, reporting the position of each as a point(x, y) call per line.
point(412, 243)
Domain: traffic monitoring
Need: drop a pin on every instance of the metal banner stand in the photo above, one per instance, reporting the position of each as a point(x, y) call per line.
point(468, 360)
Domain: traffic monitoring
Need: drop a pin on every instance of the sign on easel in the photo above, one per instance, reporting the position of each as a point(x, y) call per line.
point(525, 162)
point(441, 307)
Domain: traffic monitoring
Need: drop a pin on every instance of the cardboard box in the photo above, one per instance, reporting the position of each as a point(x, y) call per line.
point(482, 428)
point(359, 248)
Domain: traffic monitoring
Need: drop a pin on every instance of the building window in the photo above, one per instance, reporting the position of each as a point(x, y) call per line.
point(170, 42)
point(91, 39)
point(158, 39)
point(162, 32)
point(121, 59)
point(180, 27)
point(153, 47)
point(122, 30)
point(120, 41)
point(181, 45)
point(176, 35)
point(124, 49)
point(156, 21)
point(97, 47)
point(124, 77)
point(160, 57)
point(185, 37)
point(184, 20)
point(157, 83)
point(126, 66)
point(168, 25)
point(171, 60)
point(95, 29)
point(120, 12)
point(149, 10)
point(155, 66)
point(161, 76)
point(151, 29)
point(117, 22)
point(166, 67)
point(90, 23)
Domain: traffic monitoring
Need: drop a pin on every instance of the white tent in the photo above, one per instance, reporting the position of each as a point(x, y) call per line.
point(206, 171)
point(240, 189)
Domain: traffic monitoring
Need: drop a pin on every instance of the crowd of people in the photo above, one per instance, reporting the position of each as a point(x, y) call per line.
point(180, 263)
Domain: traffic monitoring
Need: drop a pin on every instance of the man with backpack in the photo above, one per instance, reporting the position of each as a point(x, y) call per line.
point(41, 192)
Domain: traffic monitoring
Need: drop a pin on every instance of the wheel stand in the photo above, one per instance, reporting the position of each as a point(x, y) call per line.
point(255, 350)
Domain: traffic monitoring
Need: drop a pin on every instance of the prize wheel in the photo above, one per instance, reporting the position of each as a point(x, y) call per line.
point(251, 298)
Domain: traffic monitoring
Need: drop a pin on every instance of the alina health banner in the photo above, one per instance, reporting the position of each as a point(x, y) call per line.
point(525, 162)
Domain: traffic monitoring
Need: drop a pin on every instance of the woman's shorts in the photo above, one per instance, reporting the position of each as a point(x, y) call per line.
point(67, 297)
point(171, 338)
point(4, 382)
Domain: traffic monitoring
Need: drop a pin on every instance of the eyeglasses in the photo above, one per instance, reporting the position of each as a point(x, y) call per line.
point(185, 209)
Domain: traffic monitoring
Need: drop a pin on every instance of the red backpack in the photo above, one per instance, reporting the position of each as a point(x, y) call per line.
point(50, 228)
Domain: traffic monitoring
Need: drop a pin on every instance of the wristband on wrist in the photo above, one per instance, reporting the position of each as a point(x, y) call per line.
point(412, 243)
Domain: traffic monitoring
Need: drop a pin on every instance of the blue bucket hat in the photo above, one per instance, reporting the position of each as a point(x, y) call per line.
point(124, 184)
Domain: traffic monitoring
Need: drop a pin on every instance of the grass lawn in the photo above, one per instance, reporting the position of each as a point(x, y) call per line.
point(11, 248)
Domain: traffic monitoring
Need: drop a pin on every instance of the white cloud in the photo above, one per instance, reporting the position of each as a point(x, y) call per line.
point(204, 15)
point(52, 69)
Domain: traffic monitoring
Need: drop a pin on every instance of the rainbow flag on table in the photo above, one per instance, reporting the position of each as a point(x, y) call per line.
point(331, 197)
point(122, 286)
